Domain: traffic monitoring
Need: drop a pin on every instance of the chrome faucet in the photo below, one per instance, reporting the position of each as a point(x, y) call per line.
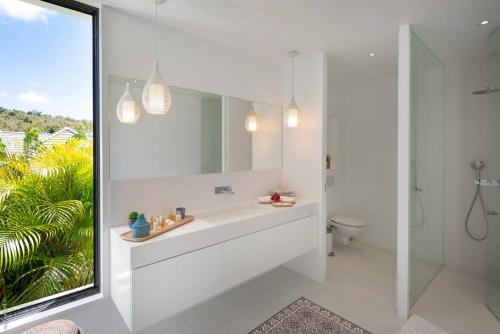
point(223, 190)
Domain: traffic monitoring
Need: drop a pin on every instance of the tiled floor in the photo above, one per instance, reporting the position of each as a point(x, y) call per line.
point(360, 286)
point(417, 325)
point(455, 302)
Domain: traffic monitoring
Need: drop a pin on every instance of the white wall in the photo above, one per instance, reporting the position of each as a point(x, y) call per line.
point(335, 100)
point(365, 159)
point(185, 61)
point(304, 150)
point(469, 135)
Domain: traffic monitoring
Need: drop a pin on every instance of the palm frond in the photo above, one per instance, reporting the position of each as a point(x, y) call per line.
point(52, 160)
point(17, 245)
point(63, 214)
point(57, 274)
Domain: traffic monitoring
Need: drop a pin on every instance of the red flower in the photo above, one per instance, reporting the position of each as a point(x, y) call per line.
point(275, 197)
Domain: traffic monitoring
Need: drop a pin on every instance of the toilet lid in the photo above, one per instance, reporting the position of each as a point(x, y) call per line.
point(348, 221)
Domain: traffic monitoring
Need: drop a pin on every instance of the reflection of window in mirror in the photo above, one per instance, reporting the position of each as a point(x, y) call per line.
point(211, 135)
point(237, 140)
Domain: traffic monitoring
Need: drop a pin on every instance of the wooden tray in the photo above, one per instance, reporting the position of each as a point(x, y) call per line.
point(128, 235)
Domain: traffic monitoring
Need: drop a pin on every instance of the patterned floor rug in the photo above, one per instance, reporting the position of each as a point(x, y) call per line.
point(305, 317)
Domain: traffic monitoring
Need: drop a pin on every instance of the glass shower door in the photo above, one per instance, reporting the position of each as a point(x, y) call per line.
point(492, 170)
point(426, 168)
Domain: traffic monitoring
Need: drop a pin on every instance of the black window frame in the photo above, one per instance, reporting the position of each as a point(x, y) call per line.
point(34, 308)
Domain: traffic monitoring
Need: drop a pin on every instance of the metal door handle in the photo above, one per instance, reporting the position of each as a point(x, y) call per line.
point(492, 213)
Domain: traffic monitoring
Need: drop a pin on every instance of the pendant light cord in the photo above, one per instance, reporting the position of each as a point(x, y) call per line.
point(156, 30)
point(293, 77)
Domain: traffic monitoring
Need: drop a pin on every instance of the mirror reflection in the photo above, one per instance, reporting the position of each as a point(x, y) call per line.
point(202, 133)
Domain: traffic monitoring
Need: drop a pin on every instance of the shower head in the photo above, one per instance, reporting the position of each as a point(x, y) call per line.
point(477, 165)
point(487, 90)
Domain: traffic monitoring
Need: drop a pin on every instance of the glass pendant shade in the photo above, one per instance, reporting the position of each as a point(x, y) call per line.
point(292, 116)
point(127, 110)
point(156, 96)
point(251, 123)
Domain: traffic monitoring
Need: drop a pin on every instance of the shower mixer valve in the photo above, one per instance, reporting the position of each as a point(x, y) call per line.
point(487, 183)
point(477, 165)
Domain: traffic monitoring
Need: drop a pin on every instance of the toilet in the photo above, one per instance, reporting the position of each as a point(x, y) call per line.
point(347, 227)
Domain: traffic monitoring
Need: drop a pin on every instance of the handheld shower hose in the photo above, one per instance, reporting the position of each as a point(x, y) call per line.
point(477, 166)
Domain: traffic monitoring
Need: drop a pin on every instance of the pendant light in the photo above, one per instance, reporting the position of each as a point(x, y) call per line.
point(156, 96)
point(251, 123)
point(127, 110)
point(293, 114)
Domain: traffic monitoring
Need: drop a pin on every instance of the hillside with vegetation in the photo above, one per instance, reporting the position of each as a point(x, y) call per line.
point(22, 121)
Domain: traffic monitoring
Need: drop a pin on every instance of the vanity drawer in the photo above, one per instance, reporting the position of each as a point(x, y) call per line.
point(297, 238)
point(168, 287)
point(249, 256)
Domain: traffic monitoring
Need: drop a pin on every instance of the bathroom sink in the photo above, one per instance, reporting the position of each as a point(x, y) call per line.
point(230, 214)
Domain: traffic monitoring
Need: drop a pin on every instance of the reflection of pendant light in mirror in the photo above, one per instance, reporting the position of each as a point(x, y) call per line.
point(156, 96)
point(127, 109)
point(292, 116)
point(251, 123)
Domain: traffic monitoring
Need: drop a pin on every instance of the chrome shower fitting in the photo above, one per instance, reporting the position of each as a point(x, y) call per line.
point(487, 90)
point(477, 165)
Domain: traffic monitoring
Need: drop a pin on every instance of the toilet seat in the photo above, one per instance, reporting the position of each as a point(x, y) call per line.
point(348, 221)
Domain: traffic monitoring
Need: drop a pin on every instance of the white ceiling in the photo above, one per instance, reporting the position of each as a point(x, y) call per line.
point(346, 29)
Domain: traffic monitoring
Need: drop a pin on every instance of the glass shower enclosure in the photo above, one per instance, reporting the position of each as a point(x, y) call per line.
point(426, 193)
point(420, 240)
point(421, 170)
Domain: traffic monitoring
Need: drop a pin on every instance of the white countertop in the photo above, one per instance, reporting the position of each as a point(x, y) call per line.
point(209, 228)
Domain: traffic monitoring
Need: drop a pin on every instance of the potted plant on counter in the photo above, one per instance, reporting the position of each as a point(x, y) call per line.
point(132, 217)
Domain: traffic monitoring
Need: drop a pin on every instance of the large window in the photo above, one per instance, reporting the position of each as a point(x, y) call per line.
point(49, 163)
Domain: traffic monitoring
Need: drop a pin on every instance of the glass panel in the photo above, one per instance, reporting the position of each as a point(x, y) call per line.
point(427, 167)
point(492, 195)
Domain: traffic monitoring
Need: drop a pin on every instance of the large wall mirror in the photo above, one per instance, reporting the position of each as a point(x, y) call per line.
point(202, 133)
